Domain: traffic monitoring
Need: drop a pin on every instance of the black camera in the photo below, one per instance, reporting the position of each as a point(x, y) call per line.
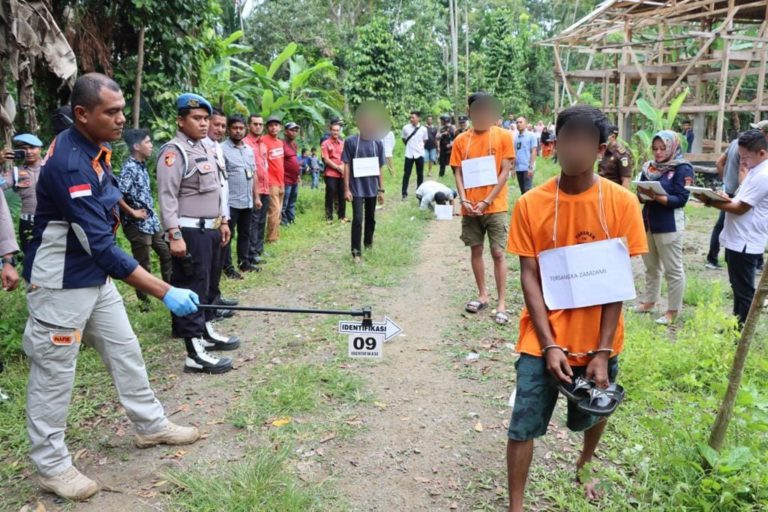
point(19, 154)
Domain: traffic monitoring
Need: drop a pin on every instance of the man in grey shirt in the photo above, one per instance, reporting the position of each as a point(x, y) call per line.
point(241, 167)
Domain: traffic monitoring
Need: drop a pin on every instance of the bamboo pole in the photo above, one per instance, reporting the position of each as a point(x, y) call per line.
point(135, 114)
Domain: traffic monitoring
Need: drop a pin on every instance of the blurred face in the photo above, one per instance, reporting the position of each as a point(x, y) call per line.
point(105, 121)
point(659, 150)
point(429, 120)
point(335, 131)
point(195, 124)
point(484, 113)
point(274, 128)
point(511, 117)
point(144, 148)
point(611, 138)
point(32, 152)
point(577, 149)
point(217, 127)
point(751, 159)
point(414, 119)
point(522, 124)
point(256, 126)
point(236, 131)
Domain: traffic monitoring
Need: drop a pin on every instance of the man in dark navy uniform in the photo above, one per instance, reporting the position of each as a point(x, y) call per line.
point(72, 299)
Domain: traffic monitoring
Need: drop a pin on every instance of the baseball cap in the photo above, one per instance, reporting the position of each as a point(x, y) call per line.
point(762, 125)
point(291, 126)
point(191, 100)
point(274, 119)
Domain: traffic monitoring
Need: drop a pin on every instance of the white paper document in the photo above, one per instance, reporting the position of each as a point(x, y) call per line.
point(707, 192)
point(479, 172)
point(443, 211)
point(364, 167)
point(655, 186)
point(585, 275)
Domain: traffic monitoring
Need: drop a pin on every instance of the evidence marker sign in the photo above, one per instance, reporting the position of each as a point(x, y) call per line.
point(367, 341)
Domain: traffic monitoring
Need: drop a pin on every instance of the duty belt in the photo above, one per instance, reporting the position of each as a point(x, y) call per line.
point(192, 222)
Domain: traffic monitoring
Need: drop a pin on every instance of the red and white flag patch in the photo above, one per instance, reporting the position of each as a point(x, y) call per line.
point(80, 191)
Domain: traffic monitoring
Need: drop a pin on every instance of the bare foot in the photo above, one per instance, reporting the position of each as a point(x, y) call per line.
point(592, 489)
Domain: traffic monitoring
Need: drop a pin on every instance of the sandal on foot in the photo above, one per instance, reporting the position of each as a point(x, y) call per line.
point(502, 317)
point(602, 402)
point(475, 306)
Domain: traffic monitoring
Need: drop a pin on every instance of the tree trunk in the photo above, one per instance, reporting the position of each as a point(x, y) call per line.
point(137, 85)
point(720, 427)
point(455, 53)
point(466, 49)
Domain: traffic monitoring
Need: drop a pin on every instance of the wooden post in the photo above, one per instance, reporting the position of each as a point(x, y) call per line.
point(135, 114)
point(724, 414)
point(724, 79)
point(761, 76)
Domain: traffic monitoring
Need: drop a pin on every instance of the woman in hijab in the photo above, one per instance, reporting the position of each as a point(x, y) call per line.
point(665, 223)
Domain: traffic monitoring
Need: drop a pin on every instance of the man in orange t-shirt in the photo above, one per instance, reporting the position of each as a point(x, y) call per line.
point(484, 208)
point(558, 346)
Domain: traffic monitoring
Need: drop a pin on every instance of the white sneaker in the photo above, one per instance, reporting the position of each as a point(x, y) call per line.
point(70, 484)
point(171, 434)
point(203, 362)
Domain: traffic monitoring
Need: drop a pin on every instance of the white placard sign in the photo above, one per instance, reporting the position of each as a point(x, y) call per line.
point(364, 167)
point(366, 344)
point(479, 172)
point(443, 211)
point(585, 275)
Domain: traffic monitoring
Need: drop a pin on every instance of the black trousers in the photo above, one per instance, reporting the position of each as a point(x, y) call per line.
point(524, 182)
point(363, 211)
point(142, 246)
point(408, 168)
point(258, 228)
point(334, 193)
point(240, 222)
point(201, 276)
point(444, 161)
point(741, 273)
point(25, 235)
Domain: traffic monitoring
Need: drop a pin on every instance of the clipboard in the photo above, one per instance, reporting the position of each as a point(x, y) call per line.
point(654, 186)
point(707, 192)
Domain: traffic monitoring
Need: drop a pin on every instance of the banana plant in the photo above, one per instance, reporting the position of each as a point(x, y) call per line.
point(658, 119)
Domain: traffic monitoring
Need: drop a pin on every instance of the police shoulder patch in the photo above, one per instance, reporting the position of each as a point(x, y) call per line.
point(625, 161)
point(170, 158)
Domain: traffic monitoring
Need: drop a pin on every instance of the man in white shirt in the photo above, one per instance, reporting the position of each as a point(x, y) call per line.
point(389, 149)
point(414, 135)
point(434, 192)
point(745, 233)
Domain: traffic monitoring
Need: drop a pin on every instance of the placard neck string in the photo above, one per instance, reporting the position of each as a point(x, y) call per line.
point(601, 210)
point(469, 142)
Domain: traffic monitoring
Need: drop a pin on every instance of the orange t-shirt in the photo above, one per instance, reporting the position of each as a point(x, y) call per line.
point(494, 141)
point(530, 233)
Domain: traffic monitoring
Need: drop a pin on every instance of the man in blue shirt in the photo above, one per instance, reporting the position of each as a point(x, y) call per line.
point(140, 223)
point(72, 297)
point(526, 150)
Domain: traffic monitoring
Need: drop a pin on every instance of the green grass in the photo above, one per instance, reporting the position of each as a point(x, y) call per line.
point(261, 483)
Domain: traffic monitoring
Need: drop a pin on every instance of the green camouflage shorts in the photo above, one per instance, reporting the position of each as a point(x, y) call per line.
point(536, 395)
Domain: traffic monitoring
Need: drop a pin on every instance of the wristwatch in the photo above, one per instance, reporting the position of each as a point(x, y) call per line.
point(9, 260)
point(175, 235)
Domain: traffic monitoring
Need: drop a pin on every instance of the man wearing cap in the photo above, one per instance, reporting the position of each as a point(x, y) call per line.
point(616, 164)
point(276, 170)
point(23, 178)
point(192, 205)
point(445, 142)
point(292, 171)
point(463, 126)
point(72, 298)
point(261, 199)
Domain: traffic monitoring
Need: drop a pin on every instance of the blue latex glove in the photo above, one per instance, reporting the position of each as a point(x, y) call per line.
point(180, 301)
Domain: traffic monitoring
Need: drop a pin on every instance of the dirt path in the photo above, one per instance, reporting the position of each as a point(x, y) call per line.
point(423, 441)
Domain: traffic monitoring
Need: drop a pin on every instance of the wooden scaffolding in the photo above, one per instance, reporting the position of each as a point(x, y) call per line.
point(654, 49)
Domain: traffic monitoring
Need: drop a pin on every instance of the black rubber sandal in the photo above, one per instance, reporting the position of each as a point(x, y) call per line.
point(602, 402)
point(577, 391)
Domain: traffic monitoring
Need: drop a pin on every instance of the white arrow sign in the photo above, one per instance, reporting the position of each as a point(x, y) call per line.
point(388, 328)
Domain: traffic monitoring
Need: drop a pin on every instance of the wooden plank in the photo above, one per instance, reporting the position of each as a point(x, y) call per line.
point(761, 74)
point(726, 54)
